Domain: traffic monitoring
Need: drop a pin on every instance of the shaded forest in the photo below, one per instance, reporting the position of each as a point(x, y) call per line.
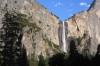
point(74, 58)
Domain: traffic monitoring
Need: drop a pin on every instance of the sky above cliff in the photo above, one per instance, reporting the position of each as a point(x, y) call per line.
point(64, 9)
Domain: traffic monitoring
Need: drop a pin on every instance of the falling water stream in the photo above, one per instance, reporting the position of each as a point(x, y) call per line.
point(64, 47)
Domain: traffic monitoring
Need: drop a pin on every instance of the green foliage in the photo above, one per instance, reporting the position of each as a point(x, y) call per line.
point(33, 61)
point(63, 59)
point(13, 53)
point(79, 40)
point(86, 55)
point(55, 47)
point(24, 21)
point(42, 61)
point(66, 56)
point(72, 47)
point(57, 60)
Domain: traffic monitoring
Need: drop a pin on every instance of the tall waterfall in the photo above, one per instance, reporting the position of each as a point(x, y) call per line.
point(64, 47)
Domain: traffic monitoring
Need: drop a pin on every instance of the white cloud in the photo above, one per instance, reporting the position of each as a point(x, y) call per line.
point(84, 4)
point(58, 4)
point(88, 5)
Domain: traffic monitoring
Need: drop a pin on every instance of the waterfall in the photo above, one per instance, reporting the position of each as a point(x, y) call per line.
point(64, 47)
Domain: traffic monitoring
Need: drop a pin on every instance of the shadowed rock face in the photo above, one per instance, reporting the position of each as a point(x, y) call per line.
point(86, 25)
point(34, 41)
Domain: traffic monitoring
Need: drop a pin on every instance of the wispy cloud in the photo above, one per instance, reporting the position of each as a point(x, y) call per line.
point(88, 5)
point(84, 4)
point(58, 4)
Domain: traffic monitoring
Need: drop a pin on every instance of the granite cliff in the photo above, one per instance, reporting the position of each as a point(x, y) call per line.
point(83, 28)
point(42, 32)
point(45, 40)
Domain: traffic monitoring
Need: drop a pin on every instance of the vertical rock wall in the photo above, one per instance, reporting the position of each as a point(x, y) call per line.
point(85, 25)
point(36, 42)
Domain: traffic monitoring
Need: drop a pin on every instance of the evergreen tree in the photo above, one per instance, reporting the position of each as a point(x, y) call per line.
point(72, 47)
point(96, 59)
point(1, 47)
point(13, 50)
point(24, 61)
point(42, 61)
point(57, 60)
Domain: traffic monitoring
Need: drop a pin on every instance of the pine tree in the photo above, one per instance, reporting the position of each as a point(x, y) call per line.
point(9, 38)
point(72, 47)
point(12, 36)
point(1, 47)
point(42, 61)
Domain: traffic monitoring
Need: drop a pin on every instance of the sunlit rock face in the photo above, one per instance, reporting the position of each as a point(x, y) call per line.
point(35, 42)
point(86, 25)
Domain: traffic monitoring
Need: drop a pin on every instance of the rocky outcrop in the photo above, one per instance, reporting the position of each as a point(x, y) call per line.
point(84, 28)
point(45, 40)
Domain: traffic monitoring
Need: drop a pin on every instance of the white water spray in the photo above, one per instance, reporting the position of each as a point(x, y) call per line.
point(64, 47)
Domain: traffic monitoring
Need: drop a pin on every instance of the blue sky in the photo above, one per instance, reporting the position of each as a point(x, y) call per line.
point(64, 9)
